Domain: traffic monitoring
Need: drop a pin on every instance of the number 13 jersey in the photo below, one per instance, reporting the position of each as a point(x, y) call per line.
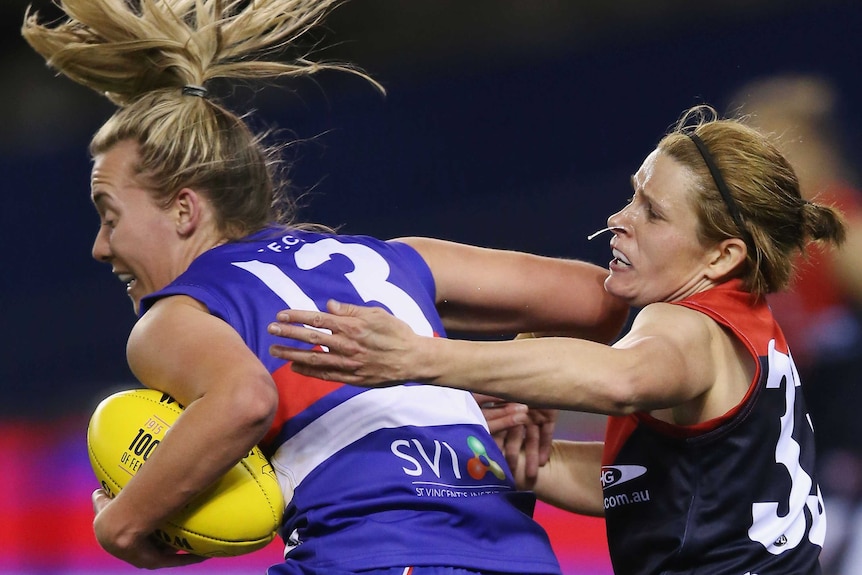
point(391, 477)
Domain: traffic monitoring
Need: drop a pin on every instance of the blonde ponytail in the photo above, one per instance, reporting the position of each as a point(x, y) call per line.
point(154, 58)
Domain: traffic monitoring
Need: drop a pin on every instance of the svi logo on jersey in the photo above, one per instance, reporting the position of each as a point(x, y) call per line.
point(476, 467)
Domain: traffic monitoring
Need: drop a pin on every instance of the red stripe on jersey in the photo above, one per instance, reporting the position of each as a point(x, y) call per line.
point(619, 428)
point(296, 392)
point(756, 319)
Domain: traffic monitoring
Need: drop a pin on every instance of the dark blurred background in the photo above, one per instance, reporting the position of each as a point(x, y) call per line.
point(506, 123)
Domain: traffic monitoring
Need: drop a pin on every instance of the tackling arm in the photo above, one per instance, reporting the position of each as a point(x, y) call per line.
point(483, 290)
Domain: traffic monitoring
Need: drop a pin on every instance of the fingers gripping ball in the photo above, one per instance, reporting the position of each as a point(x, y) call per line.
point(237, 515)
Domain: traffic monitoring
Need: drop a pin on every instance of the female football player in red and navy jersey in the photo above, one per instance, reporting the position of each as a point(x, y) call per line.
point(708, 461)
point(383, 482)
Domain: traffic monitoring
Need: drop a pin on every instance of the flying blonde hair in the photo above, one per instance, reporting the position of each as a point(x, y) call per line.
point(123, 48)
point(154, 60)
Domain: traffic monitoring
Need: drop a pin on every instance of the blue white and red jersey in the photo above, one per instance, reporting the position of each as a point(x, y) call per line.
point(399, 476)
point(735, 495)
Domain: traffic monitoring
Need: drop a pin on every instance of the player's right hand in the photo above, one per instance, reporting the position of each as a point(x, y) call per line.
point(144, 552)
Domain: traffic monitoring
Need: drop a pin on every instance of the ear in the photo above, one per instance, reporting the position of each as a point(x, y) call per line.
point(188, 209)
point(726, 259)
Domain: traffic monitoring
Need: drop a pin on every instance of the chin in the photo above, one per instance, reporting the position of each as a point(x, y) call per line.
point(627, 297)
point(613, 288)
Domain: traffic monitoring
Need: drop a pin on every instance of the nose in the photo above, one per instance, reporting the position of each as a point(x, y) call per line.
point(101, 246)
point(615, 220)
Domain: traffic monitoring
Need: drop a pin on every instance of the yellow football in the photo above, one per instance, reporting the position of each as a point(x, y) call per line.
point(237, 515)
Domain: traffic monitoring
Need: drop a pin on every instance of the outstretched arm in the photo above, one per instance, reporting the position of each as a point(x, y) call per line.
point(369, 347)
point(482, 290)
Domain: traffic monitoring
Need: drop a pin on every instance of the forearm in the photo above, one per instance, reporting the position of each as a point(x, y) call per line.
point(571, 479)
point(597, 316)
point(562, 373)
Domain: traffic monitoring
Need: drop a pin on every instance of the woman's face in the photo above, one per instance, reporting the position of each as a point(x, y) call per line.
point(657, 253)
point(136, 236)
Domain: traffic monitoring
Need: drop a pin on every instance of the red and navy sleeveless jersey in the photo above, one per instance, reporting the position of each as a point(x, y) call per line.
point(736, 495)
point(405, 475)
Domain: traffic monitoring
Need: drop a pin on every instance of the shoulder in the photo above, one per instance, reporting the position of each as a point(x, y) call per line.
point(167, 342)
point(672, 319)
point(664, 328)
point(167, 315)
point(152, 350)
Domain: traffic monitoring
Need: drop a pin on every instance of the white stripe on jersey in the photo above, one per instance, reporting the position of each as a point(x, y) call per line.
point(390, 407)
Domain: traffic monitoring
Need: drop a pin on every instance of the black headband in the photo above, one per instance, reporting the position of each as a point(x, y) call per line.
point(723, 189)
